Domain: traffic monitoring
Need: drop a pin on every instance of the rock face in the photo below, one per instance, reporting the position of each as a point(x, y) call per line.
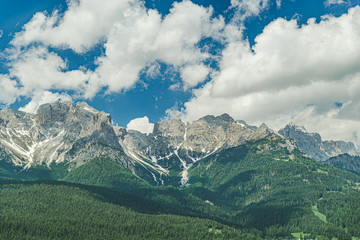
point(58, 132)
point(345, 161)
point(312, 144)
point(63, 133)
point(176, 146)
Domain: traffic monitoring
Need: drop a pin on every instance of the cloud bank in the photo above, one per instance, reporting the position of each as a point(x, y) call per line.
point(133, 38)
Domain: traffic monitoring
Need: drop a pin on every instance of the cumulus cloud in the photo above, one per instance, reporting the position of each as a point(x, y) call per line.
point(332, 2)
point(39, 69)
point(145, 37)
point(84, 24)
point(9, 90)
point(285, 55)
point(42, 97)
point(141, 124)
point(134, 37)
point(248, 8)
point(288, 68)
point(194, 74)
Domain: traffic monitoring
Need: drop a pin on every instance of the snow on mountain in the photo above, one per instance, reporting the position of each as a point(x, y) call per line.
point(176, 146)
point(58, 132)
point(63, 133)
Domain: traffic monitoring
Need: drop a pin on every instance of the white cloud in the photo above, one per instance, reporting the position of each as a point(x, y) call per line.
point(285, 55)
point(1, 33)
point(287, 69)
point(194, 74)
point(278, 4)
point(331, 124)
point(141, 124)
point(135, 37)
point(41, 97)
point(9, 90)
point(83, 25)
point(145, 37)
point(332, 2)
point(248, 8)
point(39, 69)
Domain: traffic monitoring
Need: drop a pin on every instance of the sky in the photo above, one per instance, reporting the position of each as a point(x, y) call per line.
point(271, 61)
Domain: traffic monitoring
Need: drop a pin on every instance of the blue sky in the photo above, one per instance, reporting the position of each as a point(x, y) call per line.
point(272, 61)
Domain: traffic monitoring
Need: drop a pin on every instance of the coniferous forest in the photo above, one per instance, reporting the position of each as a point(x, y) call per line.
point(244, 192)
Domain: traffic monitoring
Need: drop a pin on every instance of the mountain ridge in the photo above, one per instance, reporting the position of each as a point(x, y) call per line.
point(61, 132)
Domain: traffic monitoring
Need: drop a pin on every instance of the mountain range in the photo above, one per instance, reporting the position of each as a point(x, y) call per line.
point(269, 184)
point(61, 133)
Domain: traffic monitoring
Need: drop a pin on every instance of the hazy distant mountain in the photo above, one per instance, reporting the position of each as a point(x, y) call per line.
point(345, 161)
point(314, 147)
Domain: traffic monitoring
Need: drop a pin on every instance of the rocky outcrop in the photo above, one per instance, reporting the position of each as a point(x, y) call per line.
point(176, 146)
point(313, 146)
point(63, 133)
point(59, 132)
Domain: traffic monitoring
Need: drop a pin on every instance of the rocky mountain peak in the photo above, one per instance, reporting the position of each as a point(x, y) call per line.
point(263, 131)
point(62, 132)
point(313, 145)
point(175, 127)
point(52, 113)
point(222, 120)
point(57, 132)
point(296, 127)
point(226, 117)
point(90, 117)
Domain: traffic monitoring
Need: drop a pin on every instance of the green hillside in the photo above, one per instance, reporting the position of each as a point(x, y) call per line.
point(103, 172)
point(48, 210)
point(263, 185)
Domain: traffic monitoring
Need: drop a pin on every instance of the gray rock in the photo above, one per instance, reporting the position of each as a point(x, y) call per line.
point(176, 146)
point(313, 146)
point(59, 132)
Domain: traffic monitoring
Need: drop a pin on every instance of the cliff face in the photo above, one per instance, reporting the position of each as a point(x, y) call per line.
point(58, 132)
point(176, 146)
point(63, 133)
point(313, 146)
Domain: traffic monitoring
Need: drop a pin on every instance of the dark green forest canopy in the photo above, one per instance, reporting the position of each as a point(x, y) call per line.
point(35, 210)
point(260, 189)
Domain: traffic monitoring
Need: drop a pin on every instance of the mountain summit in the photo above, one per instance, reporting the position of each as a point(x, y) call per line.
point(61, 133)
point(313, 145)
